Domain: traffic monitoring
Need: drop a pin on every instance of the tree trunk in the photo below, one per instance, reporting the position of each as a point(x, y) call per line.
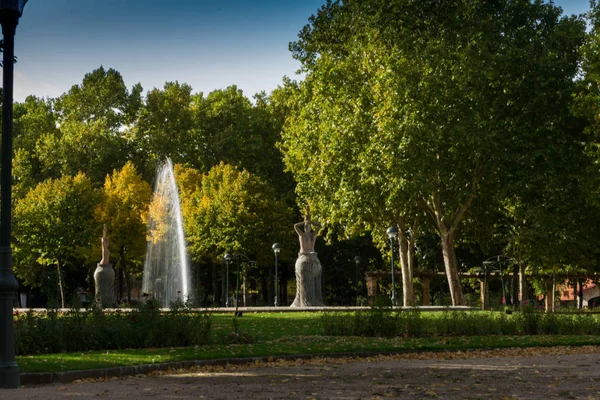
point(61, 285)
point(522, 286)
point(515, 285)
point(253, 296)
point(549, 296)
point(553, 292)
point(451, 267)
point(447, 229)
point(581, 282)
point(127, 278)
point(404, 250)
point(244, 287)
point(214, 282)
point(119, 274)
point(224, 291)
point(283, 284)
point(411, 256)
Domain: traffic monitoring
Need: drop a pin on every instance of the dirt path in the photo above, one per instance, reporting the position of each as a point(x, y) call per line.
point(562, 373)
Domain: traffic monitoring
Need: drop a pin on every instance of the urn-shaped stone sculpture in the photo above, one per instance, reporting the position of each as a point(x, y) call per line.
point(104, 277)
point(308, 266)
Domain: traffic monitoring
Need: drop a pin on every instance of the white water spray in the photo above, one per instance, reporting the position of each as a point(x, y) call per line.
point(166, 268)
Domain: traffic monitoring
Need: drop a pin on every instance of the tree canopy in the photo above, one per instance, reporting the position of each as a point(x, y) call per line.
point(427, 104)
point(54, 224)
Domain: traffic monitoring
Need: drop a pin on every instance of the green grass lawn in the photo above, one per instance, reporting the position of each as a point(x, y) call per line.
point(277, 334)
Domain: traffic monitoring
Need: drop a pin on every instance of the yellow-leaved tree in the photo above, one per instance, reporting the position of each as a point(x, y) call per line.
point(54, 224)
point(124, 208)
point(231, 210)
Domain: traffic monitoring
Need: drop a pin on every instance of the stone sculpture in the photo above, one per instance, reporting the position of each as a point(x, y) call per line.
point(104, 276)
point(308, 266)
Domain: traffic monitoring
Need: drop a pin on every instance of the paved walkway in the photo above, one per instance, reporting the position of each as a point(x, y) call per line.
point(566, 373)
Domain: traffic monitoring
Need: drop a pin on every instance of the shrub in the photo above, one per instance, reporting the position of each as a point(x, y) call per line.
point(386, 322)
point(95, 329)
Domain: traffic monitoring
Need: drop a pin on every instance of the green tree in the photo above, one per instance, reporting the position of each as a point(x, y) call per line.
point(166, 127)
point(554, 218)
point(123, 209)
point(237, 133)
point(53, 227)
point(429, 104)
point(236, 211)
point(93, 118)
point(33, 119)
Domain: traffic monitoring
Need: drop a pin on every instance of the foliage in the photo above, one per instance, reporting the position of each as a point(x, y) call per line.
point(76, 330)
point(202, 131)
point(91, 117)
point(166, 127)
point(33, 119)
point(235, 211)
point(296, 333)
point(123, 208)
point(426, 104)
point(54, 227)
point(383, 322)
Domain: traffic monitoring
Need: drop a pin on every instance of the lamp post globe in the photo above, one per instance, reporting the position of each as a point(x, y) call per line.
point(357, 262)
point(10, 12)
point(392, 232)
point(228, 258)
point(276, 250)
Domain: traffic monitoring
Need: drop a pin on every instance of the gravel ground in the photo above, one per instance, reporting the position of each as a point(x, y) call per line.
point(558, 372)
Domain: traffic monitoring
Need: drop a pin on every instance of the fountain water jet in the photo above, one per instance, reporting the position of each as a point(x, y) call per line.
point(166, 268)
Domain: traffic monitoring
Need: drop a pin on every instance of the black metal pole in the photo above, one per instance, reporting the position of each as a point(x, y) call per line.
point(227, 283)
point(485, 271)
point(276, 288)
point(9, 371)
point(393, 277)
point(356, 282)
point(503, 298)
point(237, 290)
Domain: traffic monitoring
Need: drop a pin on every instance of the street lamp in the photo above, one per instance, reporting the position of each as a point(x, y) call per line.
point(228, 258)
point(237, 290)
point(357, 262)
point(10, 12)
point(276, 250)
point(392, 232)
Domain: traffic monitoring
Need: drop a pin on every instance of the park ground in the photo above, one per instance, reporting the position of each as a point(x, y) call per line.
point(529, 373)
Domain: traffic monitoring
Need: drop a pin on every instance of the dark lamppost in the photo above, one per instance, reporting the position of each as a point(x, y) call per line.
point(237, 290)
point(276, 250)
point(392, 232)
point(228, 258)
point(357, 262)
point(10, 12)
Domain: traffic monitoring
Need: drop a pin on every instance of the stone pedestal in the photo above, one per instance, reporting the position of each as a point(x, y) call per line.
point(104, 279)
point(308, 281)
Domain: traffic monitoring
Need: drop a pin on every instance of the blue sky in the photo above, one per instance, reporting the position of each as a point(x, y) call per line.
point(209, 44)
